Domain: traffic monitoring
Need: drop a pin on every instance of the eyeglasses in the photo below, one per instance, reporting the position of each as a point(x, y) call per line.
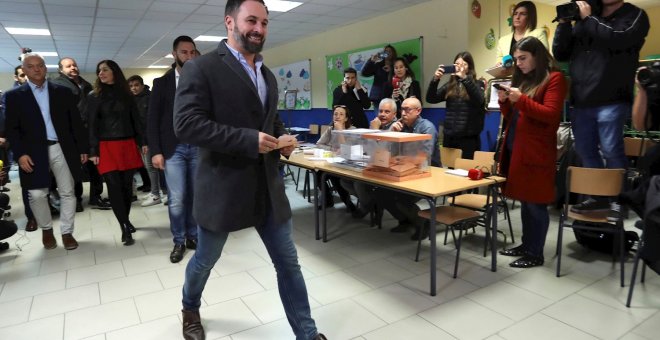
point(407, 109)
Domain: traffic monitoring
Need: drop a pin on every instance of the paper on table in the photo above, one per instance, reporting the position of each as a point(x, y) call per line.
point(286, 140)
point(457, 172)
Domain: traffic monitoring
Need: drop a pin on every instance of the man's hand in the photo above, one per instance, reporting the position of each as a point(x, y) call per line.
point(83, 158)
point(94, 159)
point(585, 9)
point(158, 161)
point(397, 126)
point(375, 124)
point(2, 141)
point(267, 143)
point(344, 87)
point(26, 164)
point(287, 150)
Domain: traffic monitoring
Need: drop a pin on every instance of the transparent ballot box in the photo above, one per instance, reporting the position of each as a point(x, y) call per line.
point(351, 148)
point(397, 156)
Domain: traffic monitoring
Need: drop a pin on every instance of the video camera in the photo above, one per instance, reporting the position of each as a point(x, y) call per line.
point(571, 11)
point(649, 76)
point(24, 51)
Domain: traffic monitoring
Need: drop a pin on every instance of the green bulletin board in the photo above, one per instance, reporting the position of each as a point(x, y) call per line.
point(358, 57)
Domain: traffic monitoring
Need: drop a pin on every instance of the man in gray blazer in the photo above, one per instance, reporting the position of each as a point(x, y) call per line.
point(226, 104)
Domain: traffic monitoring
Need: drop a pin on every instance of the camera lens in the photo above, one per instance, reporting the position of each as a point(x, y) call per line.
point(644, 76)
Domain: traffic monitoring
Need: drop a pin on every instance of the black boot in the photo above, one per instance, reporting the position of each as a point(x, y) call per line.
point(131, 228)
point(126, 236)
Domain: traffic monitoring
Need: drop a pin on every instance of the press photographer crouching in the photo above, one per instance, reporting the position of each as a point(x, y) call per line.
point(646, 107)
point(7, 228)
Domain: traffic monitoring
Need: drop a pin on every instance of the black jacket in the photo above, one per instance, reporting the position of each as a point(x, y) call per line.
point(142, 101)
point(80, 92)
point(160, 128)
point(462, 117)
point(603, 55)
point(355, 105)
point(112, 118)
point(381, 77)
point(414, 91)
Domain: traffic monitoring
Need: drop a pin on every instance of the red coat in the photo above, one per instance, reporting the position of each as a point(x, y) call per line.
point(530, 167)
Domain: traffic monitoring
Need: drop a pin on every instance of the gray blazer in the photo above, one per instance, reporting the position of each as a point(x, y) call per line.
point(218, 109)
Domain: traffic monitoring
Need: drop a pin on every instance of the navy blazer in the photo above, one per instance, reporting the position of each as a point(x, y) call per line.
point(26, 132)
point(217, 108)
point(160, 129)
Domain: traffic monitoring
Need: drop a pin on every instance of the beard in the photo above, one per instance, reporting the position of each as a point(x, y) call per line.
point(179, 62)
point(244, 40)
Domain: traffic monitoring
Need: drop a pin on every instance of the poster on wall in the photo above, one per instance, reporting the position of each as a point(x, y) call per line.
point(337, 63)
point(294, 77)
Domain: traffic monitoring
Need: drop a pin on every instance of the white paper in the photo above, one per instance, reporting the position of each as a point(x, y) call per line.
point(457, 172)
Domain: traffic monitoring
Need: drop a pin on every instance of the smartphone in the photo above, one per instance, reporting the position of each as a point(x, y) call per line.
point(499, 87)
point(449, 69)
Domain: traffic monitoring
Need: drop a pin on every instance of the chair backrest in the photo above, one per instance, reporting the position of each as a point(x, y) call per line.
point(313, 129)
point(484, 156)
point(467, 164)
point(448, 156)
point(590, 181)
point(635, 147)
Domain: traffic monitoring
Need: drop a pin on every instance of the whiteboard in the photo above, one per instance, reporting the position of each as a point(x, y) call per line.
point(294, 76)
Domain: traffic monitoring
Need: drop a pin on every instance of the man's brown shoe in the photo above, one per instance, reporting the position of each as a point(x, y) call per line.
point(48, 239)
point(69, 242)
point(192, 325)
point(31, 225)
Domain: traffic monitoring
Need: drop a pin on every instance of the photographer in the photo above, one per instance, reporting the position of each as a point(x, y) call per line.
point(380, 66)
point(603, 50)
point(646, 101)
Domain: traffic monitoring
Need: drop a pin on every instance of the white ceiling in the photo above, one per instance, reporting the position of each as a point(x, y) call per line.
point(138, 33)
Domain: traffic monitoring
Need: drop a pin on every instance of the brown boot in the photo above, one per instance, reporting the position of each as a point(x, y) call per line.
point(48, 239)
point(69, 242)
point(192, 325)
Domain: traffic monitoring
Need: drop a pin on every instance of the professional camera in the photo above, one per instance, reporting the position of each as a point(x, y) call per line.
point(649, 76)
point(24, 51)
point(571, 11)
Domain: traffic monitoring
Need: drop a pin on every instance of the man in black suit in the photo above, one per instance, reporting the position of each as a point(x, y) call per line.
point(46, 134)
point(351, 94)
point(70, 78)
point(226, 104)
point(176, 158)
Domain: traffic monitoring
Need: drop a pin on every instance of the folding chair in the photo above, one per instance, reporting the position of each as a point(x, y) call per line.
point(448, 156)
point(595, 182)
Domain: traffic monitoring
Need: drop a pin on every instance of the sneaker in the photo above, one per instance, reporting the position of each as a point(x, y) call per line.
point(153, 201)
point(614, 214)
point(164, 199)
point(591, 206)
point(145, 197)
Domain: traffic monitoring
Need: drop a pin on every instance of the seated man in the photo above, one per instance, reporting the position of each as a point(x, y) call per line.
point(364, 192)
point(402, 206)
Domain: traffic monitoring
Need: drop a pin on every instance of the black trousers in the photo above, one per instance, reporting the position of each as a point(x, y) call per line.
point(469, 144)
point(95, 182)
point(120, 192)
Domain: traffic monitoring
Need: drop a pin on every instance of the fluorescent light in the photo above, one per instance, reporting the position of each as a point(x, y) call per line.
point(159, 66)
point(212, 38)
point(46, 54)
point(52, 66)
point(27, 31)
point(281, 6)
point(169, 56)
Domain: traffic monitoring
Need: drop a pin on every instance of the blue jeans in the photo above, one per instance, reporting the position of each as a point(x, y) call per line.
point(283, 254)
point(601, 126)
point(535, 221)
point(180, 171)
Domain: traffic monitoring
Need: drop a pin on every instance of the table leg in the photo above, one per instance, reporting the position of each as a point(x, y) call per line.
point(493, 220)
point(324, 220)
point(434, 250)
point(315, 205)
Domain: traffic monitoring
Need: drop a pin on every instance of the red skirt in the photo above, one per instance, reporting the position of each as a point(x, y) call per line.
point(118, 155)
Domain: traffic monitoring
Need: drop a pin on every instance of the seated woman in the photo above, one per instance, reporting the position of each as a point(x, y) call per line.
point(341, 120)
point(533, 106)
point(464, 117)
point(403, 84)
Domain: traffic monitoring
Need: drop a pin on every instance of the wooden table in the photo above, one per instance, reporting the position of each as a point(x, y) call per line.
point(429, 188)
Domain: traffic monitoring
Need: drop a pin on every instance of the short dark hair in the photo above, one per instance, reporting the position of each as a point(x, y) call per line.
point(16, 69)
point(135, 78)
point(350, 70)
point(232, 6)
point(59, 63)
point(180, 39)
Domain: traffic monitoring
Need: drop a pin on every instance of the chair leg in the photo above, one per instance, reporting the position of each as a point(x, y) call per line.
point(622, 239)
point(508, 219)
point(559, 240)
point(458, 248)
point(643, 273)
point(298, 178)
point(307, 190)
point(487, 225)
point(633, 276)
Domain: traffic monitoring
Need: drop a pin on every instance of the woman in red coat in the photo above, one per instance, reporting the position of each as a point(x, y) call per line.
point(532, 107)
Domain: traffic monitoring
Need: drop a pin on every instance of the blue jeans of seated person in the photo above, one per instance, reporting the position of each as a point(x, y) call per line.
point(535, 221)
point(601, 126)
point(180, 171)
point(283, 254)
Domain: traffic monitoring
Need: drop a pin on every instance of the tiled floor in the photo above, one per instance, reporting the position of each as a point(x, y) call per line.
point(363, 284)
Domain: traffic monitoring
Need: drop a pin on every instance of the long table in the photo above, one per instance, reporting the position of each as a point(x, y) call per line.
point(429, 188)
